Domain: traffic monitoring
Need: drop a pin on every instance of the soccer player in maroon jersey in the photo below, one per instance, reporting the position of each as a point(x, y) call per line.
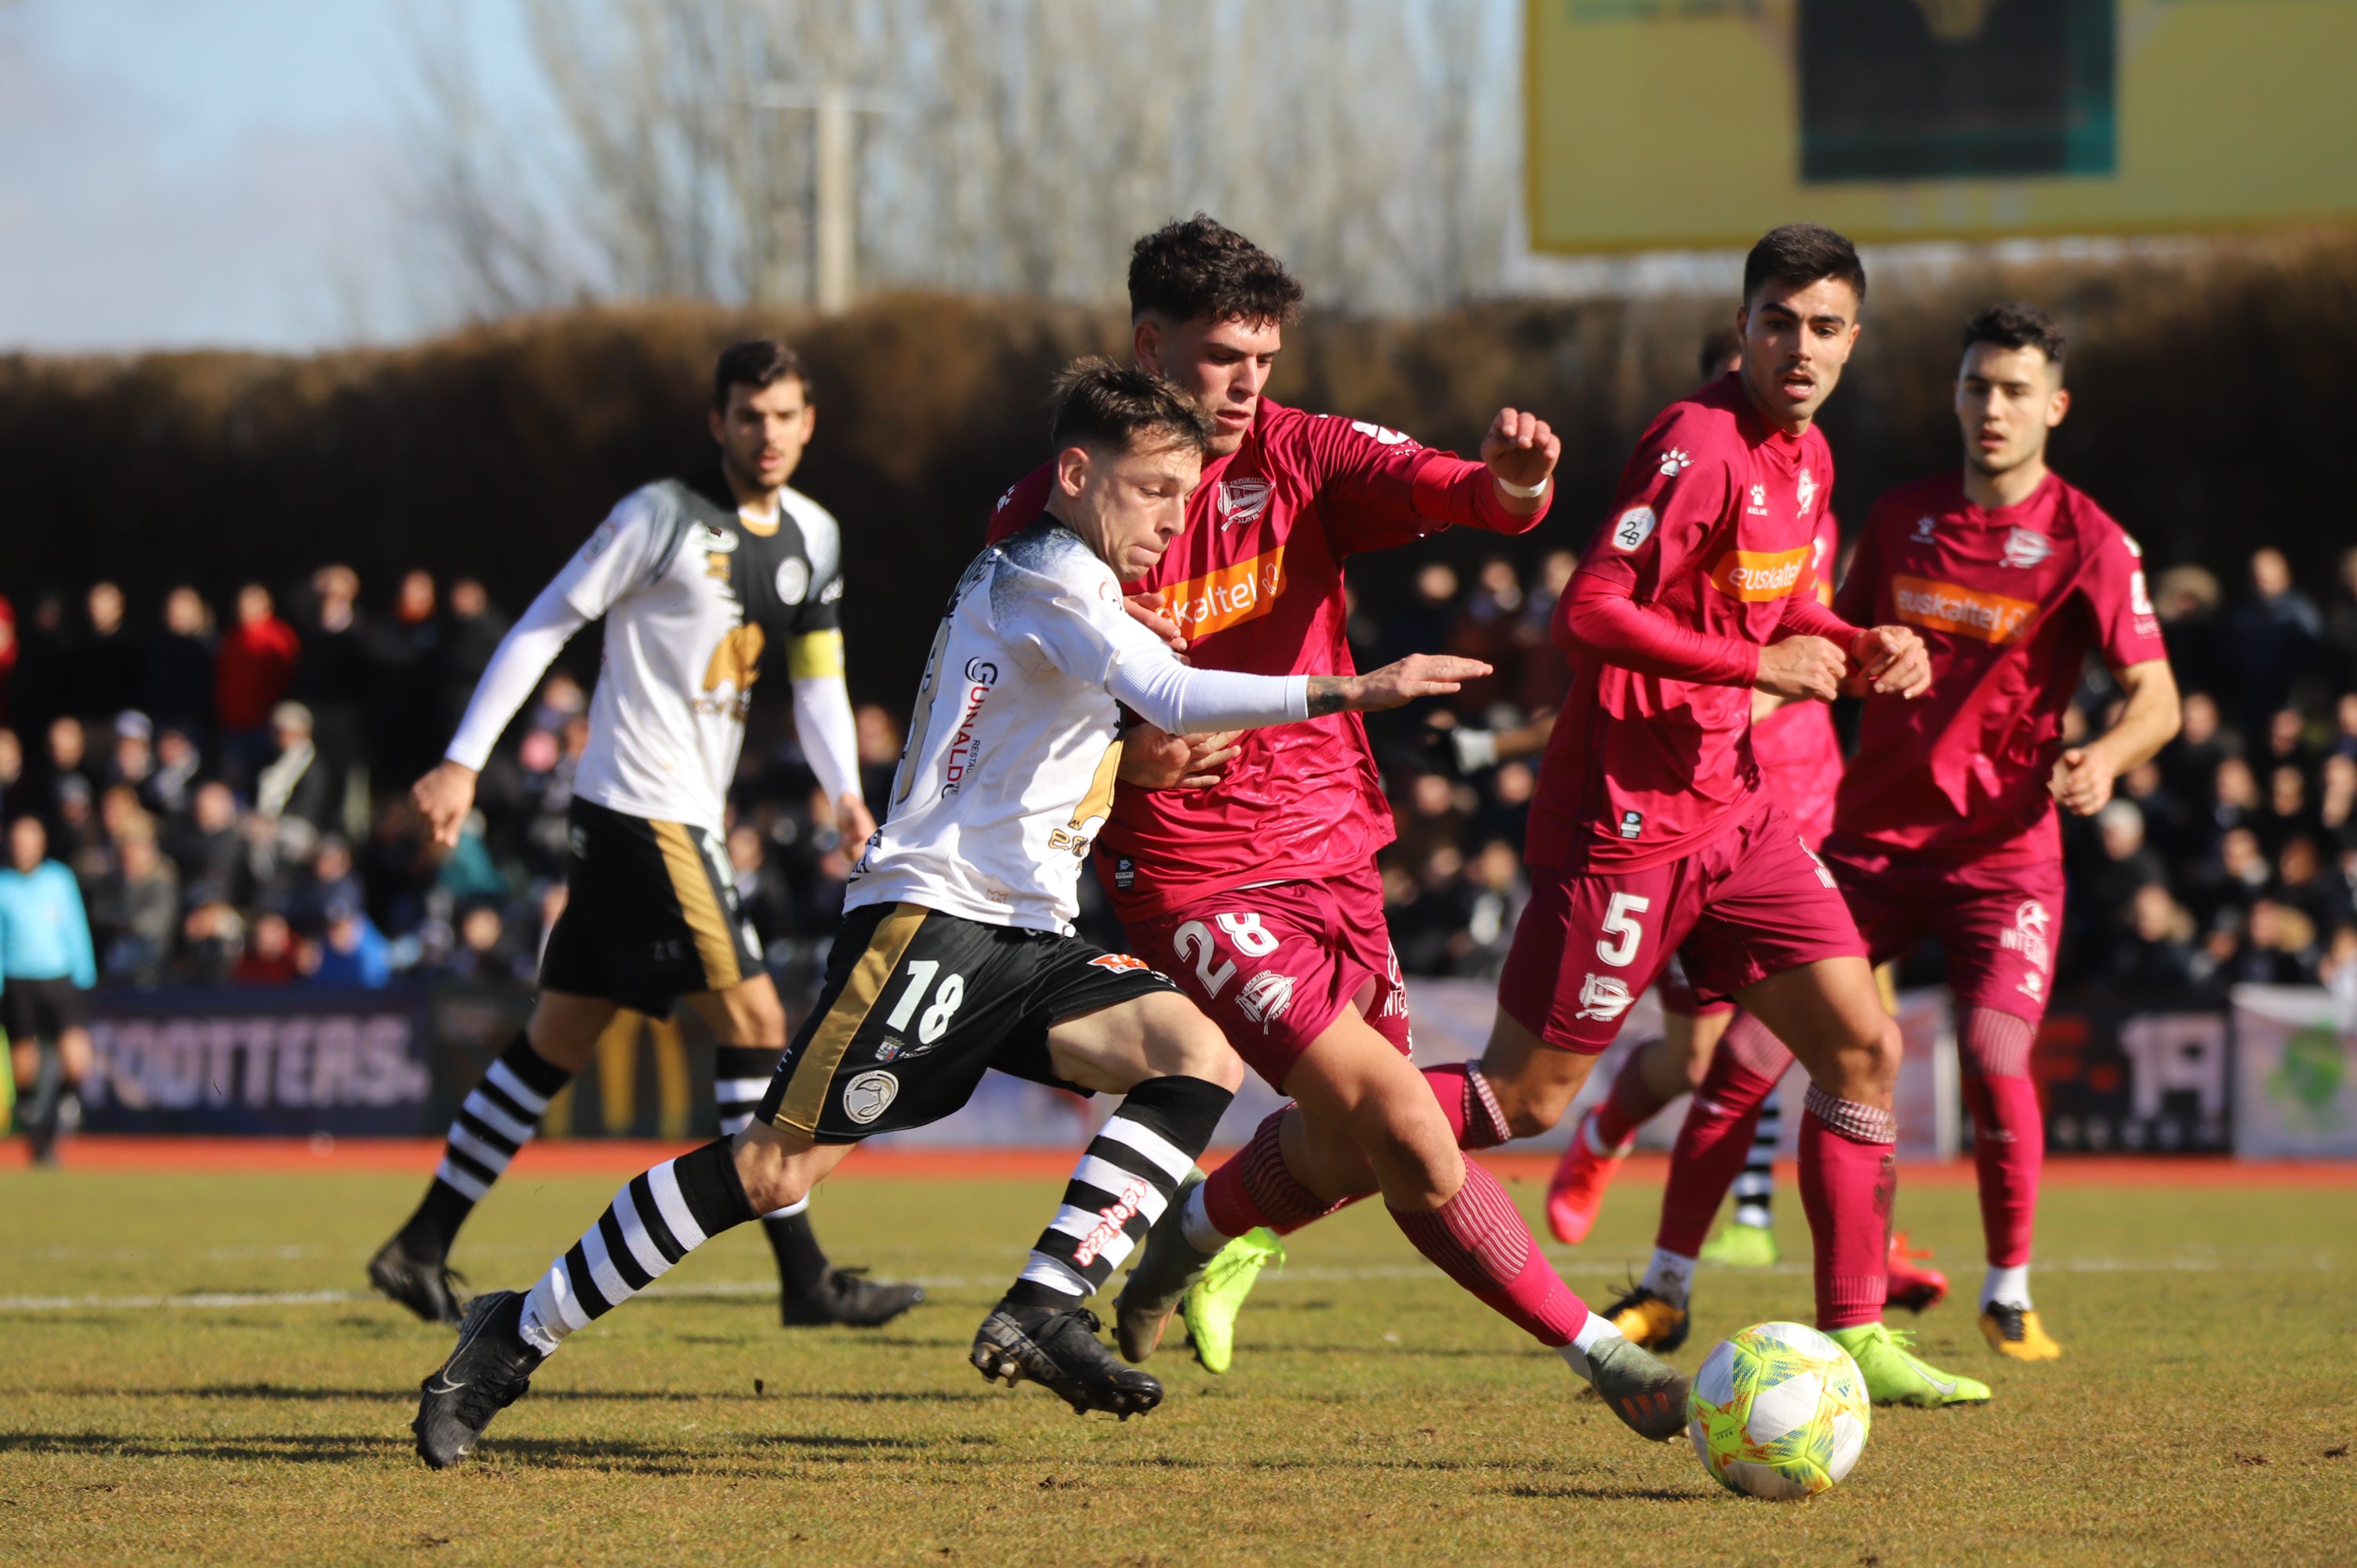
point(1945, 825)
point(1259, 893)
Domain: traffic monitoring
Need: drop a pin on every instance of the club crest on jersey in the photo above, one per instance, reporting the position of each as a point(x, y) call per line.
point(1633, 527)
point(1674, 462)
point(1806, 491)
point(793, 579)
point(598, 541)
point(1240, 501)
point(1604, 998)
point(2025, 548)
point(869, 1095)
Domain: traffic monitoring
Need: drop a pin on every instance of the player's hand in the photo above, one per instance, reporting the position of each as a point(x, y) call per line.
point(443, 798)
point(1394, 685)
point(1155, 759)
point(1892, 659)
point(1521, 450)
point(2084, 776)
point(1801, 667)
point(853, 823)
point(1146, 610)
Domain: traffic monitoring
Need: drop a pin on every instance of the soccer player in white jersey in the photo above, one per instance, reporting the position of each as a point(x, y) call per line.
point(706, 585)
point(958, 951)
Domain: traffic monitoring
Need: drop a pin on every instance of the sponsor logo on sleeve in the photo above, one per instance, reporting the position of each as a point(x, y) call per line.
point(1604, 998)
point(1674, 462)
point(869, 1095)
point(1758, 575)
point(1960, 611)
point(1240, 500)
point(1227, 596)
point(1923, 527)
point(1633, 527)
point(832, 592)
point(1377, 433)
point(2024, 549)
point(598, 541)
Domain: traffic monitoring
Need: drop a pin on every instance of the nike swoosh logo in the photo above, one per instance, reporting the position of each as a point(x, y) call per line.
point(1945, 1389)
point(444, 1386)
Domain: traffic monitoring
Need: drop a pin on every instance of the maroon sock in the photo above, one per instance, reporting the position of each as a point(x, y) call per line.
point(1713, 1145)
point(1480, 1240)
point(1849, 1178)
point(1628, 1105)
point(1475, 1117)
point(1255, 1188)
point(2009, 1130)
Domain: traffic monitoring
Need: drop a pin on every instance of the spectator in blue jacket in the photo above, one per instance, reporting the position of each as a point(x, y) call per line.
point(47, 968)
point(352, 952)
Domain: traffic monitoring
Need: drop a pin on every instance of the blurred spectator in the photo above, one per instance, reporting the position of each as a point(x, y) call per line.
point(2341, 624)
point(468, 641)
point(176, 682)
point(177, 764)
point(269, 955)
point(12, 773)
point(352, 951)
point(212, 934)
point(2269, 641)
point(2338, 972)
point(294, 785)
point(251, 670)
point(327, 883)
point(333, 678)
point(405, 711)
point(108, 669)
point(2185, 598)
point(1421, 626)
point(2337, 808)
point(39, 687)
point(2188, 764)
point(484, 949)
point(2128, 863)
point(2287, 812)
point(210, 851)
point(141, 908)
point(760, 890)
point(880, 750)
point(2234, 799)
point(133, 762)
point(2278, 947)
point(2302, 883)
point(2157, 958)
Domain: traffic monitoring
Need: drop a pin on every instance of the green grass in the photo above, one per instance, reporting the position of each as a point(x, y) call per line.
point(1375, 1413)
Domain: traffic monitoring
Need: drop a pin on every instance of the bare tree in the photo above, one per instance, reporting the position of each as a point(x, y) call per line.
point(1370, 142)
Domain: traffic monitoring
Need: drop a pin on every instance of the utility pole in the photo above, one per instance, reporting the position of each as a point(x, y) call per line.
point(835, 218)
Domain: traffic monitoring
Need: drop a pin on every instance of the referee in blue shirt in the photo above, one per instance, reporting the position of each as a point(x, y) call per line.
point(46, 970)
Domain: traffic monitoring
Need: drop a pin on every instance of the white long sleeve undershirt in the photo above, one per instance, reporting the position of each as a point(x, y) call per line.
point(1182, 699)
point(523, 657)
point(830, 736)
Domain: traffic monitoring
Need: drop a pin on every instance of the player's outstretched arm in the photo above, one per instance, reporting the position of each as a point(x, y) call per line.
point(1392, 686)
point(2083, 774)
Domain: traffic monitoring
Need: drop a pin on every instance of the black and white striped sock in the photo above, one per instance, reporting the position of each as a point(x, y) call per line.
point(1127, 1178)
point(499, 1117)
point(659, 1217)
point(1755, 1189)
point(740, 1076)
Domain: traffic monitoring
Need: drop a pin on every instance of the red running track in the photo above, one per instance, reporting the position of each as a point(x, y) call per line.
point(619, 1157)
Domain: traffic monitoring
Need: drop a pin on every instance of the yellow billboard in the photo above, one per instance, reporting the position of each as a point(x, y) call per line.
point(1673, 123)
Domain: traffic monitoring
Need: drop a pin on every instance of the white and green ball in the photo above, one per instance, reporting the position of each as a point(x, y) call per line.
point(1779, 1412)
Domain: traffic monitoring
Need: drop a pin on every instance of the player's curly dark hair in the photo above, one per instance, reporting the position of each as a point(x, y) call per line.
point(2018, 326)
point(1196, 267)
point(1803, 254)
point(758, 362)
point(1111, 407)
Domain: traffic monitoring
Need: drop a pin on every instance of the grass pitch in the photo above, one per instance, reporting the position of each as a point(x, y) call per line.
point(2204, 1411)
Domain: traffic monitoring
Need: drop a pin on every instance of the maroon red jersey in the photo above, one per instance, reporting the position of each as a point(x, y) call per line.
point(1707, 554)
point(1256, 582)
point(2008, 602)
point(1799, 755)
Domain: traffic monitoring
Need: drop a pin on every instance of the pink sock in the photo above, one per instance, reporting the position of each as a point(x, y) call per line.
point(1712, 1146)
point(1848, 1177)
point(2008, 1147)
point(1474, 1115)
point(1255, 1188)
point(1628, 1105)
point(1480, 1240)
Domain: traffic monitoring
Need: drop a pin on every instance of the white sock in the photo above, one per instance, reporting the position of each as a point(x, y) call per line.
point(1575, 1354)
point(1595, 1143)
point(789, 1210)
point(1195, 1224)
point(2010, 1286)
point(1669, 1276)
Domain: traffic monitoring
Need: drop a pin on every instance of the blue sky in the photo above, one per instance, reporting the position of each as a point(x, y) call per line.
point(180, 173)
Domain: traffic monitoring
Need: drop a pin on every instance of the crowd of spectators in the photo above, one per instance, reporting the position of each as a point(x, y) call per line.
point(233, 800)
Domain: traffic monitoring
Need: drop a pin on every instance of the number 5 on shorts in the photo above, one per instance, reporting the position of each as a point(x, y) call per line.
point(1618, 946)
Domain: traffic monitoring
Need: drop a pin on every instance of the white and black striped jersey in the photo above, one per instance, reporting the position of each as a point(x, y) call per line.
point(700, 600)
point(1008, 771)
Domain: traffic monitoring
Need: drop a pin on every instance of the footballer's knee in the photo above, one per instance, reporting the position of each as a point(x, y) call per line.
point(1184, 1044)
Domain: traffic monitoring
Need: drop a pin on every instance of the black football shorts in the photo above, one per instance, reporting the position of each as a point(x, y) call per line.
point(917, 1003)
point(650, 915)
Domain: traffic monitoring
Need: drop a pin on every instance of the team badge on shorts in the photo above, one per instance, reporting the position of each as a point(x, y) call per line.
point(1265, 997)
point(1604, 998)
point(1119, 962)
point(869, 1095)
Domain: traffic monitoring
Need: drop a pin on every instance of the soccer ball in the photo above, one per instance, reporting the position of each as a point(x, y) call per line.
point(1778, 1411)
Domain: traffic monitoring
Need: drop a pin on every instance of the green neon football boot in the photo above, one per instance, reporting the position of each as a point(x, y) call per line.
point(1741, 1246)
point(1212, 1304)
point(1896, 1375)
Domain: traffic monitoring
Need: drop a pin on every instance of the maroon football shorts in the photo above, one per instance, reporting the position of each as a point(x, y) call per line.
point(1678, 993)
point(1996, 924)
point(1275, 965)
point(1750, 904)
